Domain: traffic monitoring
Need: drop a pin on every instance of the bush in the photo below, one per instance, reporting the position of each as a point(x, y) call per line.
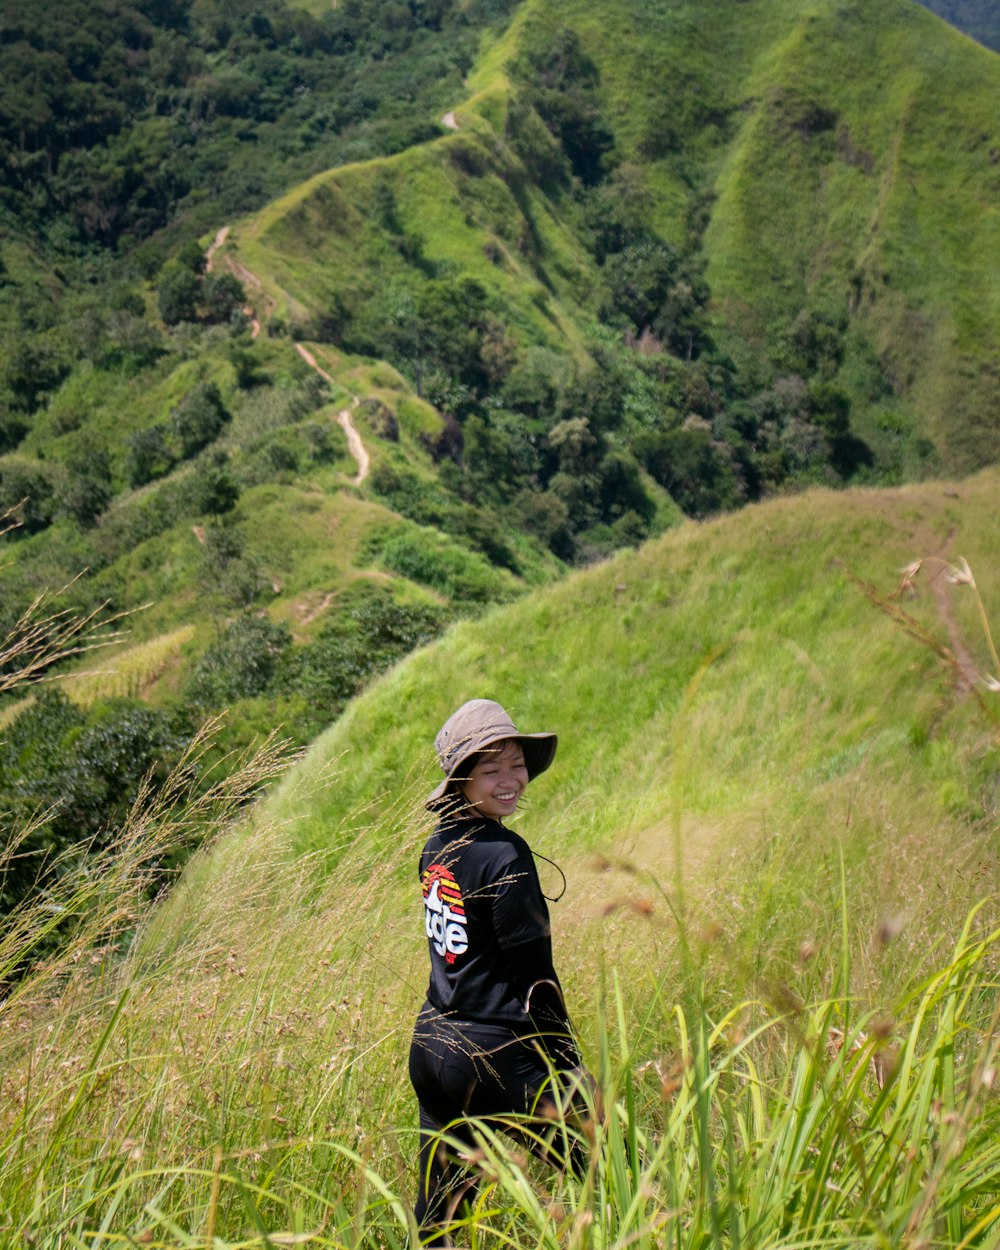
point(694, 469)
point(27, 486)
point(198, 419)
point(85, 490)
point(350, 650)
point(209, 489)
point(80, 771)
point(428, 558)
point(240, 663)
point(221, 296)
point(147, 455)
point(178, 295)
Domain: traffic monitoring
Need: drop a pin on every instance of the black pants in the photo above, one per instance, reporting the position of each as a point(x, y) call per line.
point(485, 1071)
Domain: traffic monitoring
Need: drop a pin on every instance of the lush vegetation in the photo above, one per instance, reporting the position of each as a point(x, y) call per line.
point(118, 117)
point(775, 809)
point(627, 288)
point(574, 274)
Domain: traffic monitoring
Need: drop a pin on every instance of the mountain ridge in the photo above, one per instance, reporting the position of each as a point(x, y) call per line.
point(663, 266)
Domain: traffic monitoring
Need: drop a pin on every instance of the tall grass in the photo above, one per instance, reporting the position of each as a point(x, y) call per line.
point(255, 1096)
point(228, 1068)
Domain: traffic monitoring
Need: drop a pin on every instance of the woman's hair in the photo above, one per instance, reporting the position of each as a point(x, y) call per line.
point(453, 799)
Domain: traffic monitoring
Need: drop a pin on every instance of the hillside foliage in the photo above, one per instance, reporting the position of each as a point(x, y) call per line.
point(647, 266)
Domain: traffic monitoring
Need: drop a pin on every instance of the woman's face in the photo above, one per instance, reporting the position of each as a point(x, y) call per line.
point(497, 780)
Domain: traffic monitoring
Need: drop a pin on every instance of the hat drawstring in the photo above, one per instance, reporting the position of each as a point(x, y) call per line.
point(552, 898)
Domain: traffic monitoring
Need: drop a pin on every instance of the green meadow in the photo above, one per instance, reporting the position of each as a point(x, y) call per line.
point(774, 804)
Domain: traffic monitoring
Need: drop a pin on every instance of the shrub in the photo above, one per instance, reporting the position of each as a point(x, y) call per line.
point(27, 486)
point(209, 488)
point(85, 490)
point(428, 558)
point(147, 455)
point(178, 295)
point(357, 646)
point(221, 296)
point(240, 663)
point(66, 776)
point(198, 419)
point(693, 468)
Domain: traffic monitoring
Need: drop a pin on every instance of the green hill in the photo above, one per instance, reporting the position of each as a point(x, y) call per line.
point(807, 160)
point(731, 669)
point(649, 264)
point(749, 747)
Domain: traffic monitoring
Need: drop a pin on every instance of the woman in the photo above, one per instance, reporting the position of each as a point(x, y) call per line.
point(494, 1027)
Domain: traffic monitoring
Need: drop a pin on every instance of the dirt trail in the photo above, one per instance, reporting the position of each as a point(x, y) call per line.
point(239, 271)
point(249, 279)
point(221, 235)
point(357, 447)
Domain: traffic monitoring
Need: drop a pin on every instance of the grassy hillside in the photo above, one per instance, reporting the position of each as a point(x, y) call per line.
point(747, 744)
point(649, 265)
point(801, 693)
point(819, 163)
point(736, 719)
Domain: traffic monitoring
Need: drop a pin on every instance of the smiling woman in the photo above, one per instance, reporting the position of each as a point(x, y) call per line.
point(493, 1038)
point(496, 779)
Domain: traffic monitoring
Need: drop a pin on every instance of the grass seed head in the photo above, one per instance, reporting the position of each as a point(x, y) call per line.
point(961, 574)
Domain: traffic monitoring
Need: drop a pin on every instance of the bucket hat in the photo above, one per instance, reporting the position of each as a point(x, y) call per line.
point(475, 726)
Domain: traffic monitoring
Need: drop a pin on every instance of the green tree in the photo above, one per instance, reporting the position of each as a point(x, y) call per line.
point(147, 455)
point(198, 419)
point(221, 296)
point(696, 471)
point(26, 486)
point(239, 664)
point(80, 771)
point(178, 295)
point(34, 367)
point(86, 488)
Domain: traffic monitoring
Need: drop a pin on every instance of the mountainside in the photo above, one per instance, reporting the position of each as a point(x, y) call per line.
point(817, 165)
point(638, 263)
point(774, 807)
point(632, 365)
point(738, 669)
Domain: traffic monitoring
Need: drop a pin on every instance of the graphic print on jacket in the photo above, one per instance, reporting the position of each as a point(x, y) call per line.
point(444, 912)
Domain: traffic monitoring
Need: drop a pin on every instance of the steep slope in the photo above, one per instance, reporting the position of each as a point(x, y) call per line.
point(862, 189)
point(659, 260)
point(759, 610)
point(750, 753)
point(832, 168)
point(732, 677)
point(744, 738)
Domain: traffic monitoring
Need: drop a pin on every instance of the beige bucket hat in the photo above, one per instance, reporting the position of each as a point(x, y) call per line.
point(475, 726)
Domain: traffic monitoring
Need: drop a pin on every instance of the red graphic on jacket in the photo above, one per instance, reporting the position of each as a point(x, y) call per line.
point(444, 912)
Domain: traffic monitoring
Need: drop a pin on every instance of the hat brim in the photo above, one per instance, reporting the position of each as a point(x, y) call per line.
point(539, 752)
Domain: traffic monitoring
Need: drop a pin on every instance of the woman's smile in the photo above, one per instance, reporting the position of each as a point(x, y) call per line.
point(497, 780)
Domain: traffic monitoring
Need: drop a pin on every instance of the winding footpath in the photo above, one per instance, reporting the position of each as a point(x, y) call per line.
point(240, 271)
point(354, 443)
